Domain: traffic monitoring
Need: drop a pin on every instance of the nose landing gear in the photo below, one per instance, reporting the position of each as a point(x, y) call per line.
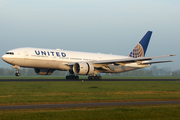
point(17, 74)
point(17, 70)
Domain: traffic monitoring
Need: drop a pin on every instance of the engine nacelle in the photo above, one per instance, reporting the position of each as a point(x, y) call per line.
point(83, 68)
point(41, 71)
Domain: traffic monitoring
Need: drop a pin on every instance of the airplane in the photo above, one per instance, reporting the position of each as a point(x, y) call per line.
point(46, 61)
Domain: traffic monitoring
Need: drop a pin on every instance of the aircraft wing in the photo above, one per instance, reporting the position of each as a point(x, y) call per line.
point(131, 60)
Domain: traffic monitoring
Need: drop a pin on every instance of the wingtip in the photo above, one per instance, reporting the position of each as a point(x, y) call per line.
point(172, 55)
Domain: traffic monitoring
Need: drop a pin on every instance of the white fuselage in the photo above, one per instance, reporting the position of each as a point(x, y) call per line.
point(59, 59)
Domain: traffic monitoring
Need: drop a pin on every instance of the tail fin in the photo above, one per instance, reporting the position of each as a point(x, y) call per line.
point(141, 47)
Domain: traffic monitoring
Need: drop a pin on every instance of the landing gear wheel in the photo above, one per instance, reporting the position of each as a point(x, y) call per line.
point(94, 77)
point(77, 77)
point(17, 74)
point(72, 77)
point(67, 77)
point(89, 77)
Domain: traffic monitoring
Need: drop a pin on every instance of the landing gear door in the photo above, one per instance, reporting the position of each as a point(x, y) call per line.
point(26, 55)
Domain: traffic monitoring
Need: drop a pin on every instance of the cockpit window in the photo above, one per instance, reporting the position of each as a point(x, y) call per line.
point(11, 53)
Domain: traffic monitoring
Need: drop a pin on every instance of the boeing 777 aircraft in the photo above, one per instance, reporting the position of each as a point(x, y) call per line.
point(46, 61)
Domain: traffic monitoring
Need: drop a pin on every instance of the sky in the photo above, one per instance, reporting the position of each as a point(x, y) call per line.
point(105, 26)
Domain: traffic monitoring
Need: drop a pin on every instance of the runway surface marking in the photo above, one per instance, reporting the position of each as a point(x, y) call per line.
point(86, 105)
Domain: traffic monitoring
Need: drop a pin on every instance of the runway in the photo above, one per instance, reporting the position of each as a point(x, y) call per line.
point(39, 80)
point(85, 105)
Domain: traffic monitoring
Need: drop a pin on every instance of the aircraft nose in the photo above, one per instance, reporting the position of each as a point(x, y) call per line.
point(3, 57)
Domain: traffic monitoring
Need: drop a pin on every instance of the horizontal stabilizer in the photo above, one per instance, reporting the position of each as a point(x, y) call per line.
point(158, 62)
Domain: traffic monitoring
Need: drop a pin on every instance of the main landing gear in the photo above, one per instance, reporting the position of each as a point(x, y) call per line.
point(72, 77)
point(17, 70)
point(94, 78)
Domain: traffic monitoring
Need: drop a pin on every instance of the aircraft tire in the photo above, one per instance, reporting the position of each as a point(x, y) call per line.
point(17, 74)
point(94, 77)
point(76, 77)
point(72, 77)
point(89, 77)
point(67, 77)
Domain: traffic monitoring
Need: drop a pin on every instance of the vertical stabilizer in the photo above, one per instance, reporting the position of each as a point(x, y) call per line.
point(141, 47)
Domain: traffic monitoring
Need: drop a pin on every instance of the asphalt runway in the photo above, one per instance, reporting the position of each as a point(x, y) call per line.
point(19, 80)
point(85, 105)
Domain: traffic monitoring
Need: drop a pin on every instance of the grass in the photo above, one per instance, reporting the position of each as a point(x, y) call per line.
point(15, 93)
point(145, 112)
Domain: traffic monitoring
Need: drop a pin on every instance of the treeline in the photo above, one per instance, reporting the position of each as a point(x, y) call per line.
point(26, 72)
point(153, 71)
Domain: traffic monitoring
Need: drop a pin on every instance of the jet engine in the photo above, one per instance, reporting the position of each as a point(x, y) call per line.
point(41, 71)
point(83, 68)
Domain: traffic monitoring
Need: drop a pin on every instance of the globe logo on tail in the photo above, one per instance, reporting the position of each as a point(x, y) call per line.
point(138, 51)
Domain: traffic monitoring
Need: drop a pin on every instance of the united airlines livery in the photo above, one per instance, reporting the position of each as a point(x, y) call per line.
point(46, 61)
